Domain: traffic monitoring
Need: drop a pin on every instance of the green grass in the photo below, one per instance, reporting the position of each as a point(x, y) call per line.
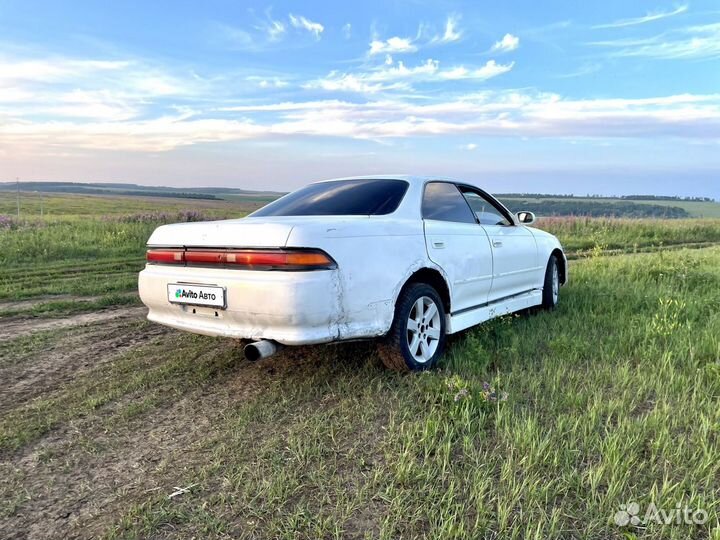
point(13, 351)
point(64, 205)
point(83, 278)
point(600, 234)
point(87, 245)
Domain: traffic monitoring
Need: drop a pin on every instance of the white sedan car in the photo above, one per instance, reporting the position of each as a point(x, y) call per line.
point(405, 259)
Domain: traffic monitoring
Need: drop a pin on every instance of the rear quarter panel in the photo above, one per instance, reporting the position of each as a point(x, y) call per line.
point(375, 257)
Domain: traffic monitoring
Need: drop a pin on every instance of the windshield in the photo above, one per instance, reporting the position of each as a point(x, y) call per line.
point(339, 198)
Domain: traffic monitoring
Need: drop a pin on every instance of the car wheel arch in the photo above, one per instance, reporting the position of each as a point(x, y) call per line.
point(562, 264)
point(430, 276)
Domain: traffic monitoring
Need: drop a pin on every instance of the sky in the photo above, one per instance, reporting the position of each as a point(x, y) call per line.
point(611, 97)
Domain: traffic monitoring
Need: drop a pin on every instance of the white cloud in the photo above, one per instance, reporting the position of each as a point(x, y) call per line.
point(347, 30)
point(489, 70)
point(649, 17)
point(470, 146)
point(98, 105)
point(275, 30)
point(692, 42)
point(423, 38)
point(56, 104)
point(451, 32)
point(315, 28)
point(399, 71)
point(55, 69)
point(345, 82)
point(263, 35)
point(506, 44)
point(265, 82)
point(91, 89)
point(9, 94)
point(156, 135)
point(488, 113)
point(392, 45)
point(81, 104)
point(399, 76)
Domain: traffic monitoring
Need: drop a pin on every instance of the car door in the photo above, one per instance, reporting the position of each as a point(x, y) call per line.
point(514, 250)
point(457, 244)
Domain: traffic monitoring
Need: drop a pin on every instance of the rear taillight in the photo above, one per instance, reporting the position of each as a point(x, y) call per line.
point(165, 256)
point(250, 259)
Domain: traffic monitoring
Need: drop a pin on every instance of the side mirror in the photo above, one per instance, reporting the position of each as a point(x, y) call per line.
point(526, 218)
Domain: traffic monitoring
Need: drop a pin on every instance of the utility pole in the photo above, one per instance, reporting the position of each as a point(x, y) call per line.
point(17, 179)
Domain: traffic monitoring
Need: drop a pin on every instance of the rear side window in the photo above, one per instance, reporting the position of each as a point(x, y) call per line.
point(339, 198)
point(443, 202)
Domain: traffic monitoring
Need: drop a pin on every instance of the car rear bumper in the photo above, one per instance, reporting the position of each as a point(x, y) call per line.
point(292, 308)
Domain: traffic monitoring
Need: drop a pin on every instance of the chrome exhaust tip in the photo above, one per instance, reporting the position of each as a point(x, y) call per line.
point(258, 350)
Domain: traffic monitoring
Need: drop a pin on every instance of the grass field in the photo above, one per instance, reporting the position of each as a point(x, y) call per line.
point(67, 206)
point(536, 426)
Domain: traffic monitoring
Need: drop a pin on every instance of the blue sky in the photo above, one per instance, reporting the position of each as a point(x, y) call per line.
point(574, 97)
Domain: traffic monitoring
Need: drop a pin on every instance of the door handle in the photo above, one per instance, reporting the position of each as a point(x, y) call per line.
point(497, 243)
point(439, 244)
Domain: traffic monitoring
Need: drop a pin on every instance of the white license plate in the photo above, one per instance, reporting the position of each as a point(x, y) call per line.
point(196, 295)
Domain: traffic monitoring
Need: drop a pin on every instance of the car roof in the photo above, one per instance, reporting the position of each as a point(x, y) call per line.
point(413, 179)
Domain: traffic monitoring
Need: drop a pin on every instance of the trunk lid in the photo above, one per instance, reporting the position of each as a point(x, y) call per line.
point(270, 231)
point(225, 233)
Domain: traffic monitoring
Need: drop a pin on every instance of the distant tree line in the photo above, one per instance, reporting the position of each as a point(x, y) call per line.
point(569, 207)
point(180, 194)
point(81, 190)
point(665, 198)
point(126, 188)
point(597, 196)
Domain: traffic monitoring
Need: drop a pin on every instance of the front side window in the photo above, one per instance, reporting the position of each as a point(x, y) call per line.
point(339, 198)
point(444, 202)
point(485, 211)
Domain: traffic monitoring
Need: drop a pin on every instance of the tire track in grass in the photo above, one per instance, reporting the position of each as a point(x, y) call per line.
point(32, 302)
point(73, 268)
point(33, 280)
point(20, 327)
point(67, 305)
point(55, 363)
point(588, 253)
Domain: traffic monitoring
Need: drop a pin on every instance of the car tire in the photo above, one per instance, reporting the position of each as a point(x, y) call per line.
point(419, 318)
point(551, 286)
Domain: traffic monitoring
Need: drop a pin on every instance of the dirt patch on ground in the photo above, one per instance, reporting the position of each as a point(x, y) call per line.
point(76, 353)
point(21, 326)
point(76, 478)
point(29, 304)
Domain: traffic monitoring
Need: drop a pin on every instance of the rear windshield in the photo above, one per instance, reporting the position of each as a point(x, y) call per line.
point(339, 198)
